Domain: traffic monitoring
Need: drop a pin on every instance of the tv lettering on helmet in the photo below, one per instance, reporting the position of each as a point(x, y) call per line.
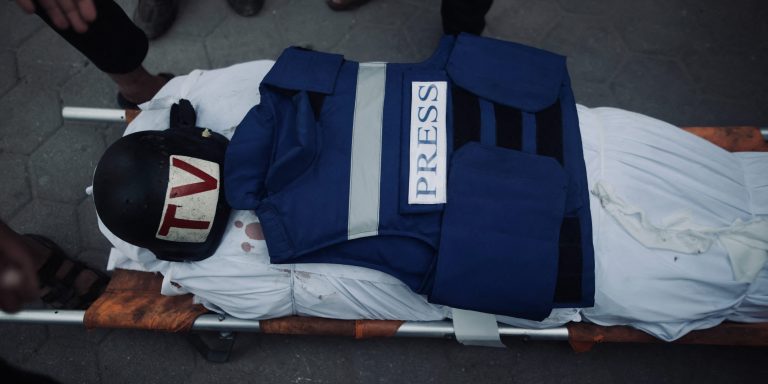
point(190, 201)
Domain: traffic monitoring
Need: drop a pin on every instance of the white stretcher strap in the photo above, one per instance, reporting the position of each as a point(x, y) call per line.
point(476, 328)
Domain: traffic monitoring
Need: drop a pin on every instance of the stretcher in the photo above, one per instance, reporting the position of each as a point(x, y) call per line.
point(133, 300)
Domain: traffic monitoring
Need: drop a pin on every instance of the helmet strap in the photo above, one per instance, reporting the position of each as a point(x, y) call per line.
point(183, 115)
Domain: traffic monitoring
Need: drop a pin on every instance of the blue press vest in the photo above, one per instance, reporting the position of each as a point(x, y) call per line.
point(324, 161)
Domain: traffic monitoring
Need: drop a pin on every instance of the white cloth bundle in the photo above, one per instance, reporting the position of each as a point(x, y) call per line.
point(646, 172)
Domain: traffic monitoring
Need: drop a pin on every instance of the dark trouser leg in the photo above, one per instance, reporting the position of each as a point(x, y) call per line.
point(464, 16)
point(113, 42)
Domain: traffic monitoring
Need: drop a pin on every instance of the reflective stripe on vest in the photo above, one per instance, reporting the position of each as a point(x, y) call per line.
point(365, 168)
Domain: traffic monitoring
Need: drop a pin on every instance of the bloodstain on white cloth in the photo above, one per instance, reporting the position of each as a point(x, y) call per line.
point(253, 231)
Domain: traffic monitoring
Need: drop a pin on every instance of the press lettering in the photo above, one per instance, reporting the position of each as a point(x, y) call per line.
point(423, 135)
point(423, 117)
point(426, 163)
point(423, 96)
point(427, 155)
point(422, 188)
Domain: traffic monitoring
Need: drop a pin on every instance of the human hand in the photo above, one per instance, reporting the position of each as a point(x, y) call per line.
point(64, 13)
point(18, 277)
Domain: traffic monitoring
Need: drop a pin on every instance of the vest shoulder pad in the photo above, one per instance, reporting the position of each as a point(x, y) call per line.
point(301, 69)
point(511, 74)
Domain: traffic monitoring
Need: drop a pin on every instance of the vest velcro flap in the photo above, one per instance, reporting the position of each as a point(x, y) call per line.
point(301, 69)
point(510, 74)
point(501, 225)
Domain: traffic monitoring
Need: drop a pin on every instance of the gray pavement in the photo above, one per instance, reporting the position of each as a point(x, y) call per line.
point(689, 62)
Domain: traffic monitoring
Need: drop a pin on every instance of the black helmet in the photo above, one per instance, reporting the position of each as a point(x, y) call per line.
point(162, 190)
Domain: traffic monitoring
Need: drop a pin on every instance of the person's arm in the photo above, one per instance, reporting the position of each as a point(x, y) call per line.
point(64, 13)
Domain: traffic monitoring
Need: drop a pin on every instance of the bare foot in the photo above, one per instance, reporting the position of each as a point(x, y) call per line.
point(138, 85)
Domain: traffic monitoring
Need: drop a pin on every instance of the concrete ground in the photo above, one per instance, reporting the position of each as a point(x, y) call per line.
point(689, 62)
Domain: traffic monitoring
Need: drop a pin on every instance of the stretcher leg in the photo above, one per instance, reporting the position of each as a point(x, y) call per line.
point(217, 350)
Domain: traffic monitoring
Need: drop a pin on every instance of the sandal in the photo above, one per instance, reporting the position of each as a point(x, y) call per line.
point(246, 8)
point(61, 292)
point(345, 5)
point(127, 104)
point(155, 17)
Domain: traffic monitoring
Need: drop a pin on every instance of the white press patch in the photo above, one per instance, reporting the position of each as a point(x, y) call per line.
point(190, 200)
point(427, 167)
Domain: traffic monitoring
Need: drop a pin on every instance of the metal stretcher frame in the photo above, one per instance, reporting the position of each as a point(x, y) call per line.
point(126, 116)
point(298, 325)
point(581, 336)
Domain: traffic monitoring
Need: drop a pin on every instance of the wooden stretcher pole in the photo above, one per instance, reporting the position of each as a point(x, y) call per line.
point(583, 336)
point(734, 138)
point(295, 325)
point(359, 329)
